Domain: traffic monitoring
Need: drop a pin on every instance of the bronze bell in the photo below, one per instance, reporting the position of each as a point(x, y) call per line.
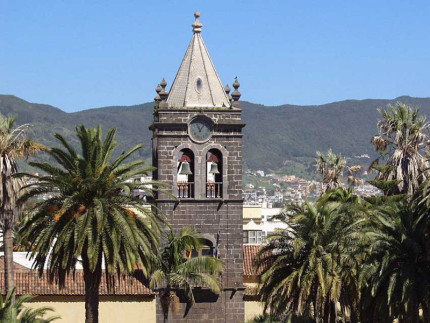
point(185, 169)
point(214, 169)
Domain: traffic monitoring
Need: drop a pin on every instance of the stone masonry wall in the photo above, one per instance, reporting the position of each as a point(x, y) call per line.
point(207, 215)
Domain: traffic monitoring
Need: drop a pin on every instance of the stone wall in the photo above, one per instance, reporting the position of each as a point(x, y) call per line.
point(228, 306)
point(207, 215)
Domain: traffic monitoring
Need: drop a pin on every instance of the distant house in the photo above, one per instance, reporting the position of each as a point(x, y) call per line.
point(258, 223)
point(253, 306)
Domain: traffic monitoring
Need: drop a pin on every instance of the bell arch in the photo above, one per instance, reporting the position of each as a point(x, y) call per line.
point(184, 172)
point(214, 177)
point(215, 159)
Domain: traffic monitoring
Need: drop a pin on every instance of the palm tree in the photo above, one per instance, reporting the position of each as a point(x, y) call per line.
point(353, 172)
point(401, 139)
point(331, 167)
point(14, 311)
point(397, 274)
point(312, 265)
point(90, 215)
point(13, 145)
point(175, 271)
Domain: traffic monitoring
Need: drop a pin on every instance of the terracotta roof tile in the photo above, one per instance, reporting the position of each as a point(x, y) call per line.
point(249, 254)
point(30, 283)
point(16, 267)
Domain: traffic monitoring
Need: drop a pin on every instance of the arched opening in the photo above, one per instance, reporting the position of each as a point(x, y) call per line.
point(214, 178)
point(207, 249)
point(185, 173)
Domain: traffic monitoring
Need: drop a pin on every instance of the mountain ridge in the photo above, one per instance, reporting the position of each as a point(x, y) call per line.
point(274, 135)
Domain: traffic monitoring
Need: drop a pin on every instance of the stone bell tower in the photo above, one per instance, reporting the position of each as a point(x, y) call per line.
point(197, 150)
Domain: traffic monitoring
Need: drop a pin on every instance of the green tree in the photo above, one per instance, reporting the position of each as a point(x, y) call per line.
point(14, 311)
point(397, 274)
point(331, 167)
point(402, 137)
point(14, 144)
point(90, 215)
point(353, 175)
point(312, 265)
point(177, 272)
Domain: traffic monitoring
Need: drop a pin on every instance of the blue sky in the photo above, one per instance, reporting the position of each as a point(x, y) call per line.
point(83, 54)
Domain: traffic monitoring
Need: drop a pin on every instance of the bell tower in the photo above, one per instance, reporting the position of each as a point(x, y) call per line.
point(197, 150)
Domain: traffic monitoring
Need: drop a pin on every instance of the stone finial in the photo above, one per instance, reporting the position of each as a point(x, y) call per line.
point(158, 90)
point(163, 94)
point(227, 91)
point(236, 94)
point(163, 83)
point(236, 83)
point(197, 25)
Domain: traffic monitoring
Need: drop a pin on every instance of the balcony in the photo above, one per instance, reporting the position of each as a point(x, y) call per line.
point(185, 190)
point(214, 189)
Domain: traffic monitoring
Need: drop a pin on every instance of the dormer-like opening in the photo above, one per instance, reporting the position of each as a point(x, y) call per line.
point(199, 85)
point(207, 249)
point(214, 178)
point(185, 173)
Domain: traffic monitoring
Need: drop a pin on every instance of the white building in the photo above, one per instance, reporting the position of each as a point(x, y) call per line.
point(258, 223)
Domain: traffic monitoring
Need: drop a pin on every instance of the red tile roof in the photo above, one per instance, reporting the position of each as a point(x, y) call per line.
point(30, 283)
point(249, 254)
point(16, 267)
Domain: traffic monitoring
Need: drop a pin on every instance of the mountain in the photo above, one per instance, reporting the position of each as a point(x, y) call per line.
point(273, 136)
point(132, 122)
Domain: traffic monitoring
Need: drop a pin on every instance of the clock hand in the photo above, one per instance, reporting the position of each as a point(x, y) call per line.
point(200, 128)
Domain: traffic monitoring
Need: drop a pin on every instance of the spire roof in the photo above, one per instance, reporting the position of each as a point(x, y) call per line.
point(197, 83)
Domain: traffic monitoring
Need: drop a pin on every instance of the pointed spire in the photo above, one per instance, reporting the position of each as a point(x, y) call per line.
point(197, 25)
point(236, 94)
point(197, 83)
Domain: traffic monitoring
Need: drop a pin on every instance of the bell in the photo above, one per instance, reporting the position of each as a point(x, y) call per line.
point(214, 169)
point(185, 169)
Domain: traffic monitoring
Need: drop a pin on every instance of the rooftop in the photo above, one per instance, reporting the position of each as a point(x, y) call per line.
point(249, 256)
point(197, 83)
point(29, 282)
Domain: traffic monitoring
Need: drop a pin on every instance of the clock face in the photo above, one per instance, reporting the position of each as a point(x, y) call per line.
point(200, 129)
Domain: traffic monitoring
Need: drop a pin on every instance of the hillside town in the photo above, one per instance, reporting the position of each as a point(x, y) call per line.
point(280, 189)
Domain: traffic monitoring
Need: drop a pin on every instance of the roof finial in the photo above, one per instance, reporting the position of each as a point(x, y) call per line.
point(236, 94)
point(197, 25)
point(158, 90)
point(163, 94)
point(227, 91)
point(163, 83)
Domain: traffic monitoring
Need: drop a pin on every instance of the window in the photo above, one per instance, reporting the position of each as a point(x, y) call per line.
point(206, 250)
point(185, 174)
point(253, 237)
point(199, 85)
point(245, 237)
point(214, 176)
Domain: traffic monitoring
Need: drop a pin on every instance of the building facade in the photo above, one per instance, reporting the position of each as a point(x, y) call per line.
point(197, 150)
